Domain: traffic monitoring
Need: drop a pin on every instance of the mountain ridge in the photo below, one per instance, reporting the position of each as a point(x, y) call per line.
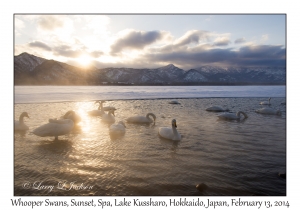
point(32, 70)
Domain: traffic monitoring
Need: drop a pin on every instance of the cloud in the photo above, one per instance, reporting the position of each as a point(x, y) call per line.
point(19, 24)
point(67, 51)
point(50, 22)
point(240, 40)
point(221, 41)
point(260, 55)
point(136, 40)
point(264, 38)
point(96, 54)
point(194, 36)
point(40, 45)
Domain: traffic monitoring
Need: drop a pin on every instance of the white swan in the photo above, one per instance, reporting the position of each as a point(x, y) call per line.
point(72, 116)
point(117, 128)
point(216, 109)
point(269, 111)
point(170, 133)
point(265, 102)
point(231, 116)
point(55, 127)
point(110, 117)
point(20, 125)
point(142, 119)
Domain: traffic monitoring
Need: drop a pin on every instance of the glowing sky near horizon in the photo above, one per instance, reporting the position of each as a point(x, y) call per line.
point(150, 41)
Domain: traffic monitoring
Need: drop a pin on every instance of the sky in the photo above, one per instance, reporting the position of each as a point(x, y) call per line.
point(154, 40)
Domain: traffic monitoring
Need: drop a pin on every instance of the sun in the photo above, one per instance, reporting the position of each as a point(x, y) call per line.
point(84, 60)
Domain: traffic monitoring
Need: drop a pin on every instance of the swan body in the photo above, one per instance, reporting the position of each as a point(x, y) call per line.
point(269, 111)
point(142, 119)
point(74, 117)
point(55, 127)
point(170, 133)
point(118, 128)
point(20, 125)
point(174, 102)
point(109, 117)
point(216, 109)
point(265, 102)
point(231, 116)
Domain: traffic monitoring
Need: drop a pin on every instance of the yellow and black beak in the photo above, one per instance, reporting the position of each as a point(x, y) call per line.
point(175, 124)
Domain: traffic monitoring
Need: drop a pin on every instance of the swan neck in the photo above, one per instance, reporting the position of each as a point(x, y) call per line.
point(243, 113)
point(151, 114)
point(21, 118)
point(175, 133)
point(100, 107)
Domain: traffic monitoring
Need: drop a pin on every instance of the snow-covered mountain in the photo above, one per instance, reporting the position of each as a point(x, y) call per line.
point(32, 70)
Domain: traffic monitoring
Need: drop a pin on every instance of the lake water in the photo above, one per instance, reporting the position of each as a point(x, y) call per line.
point(230, 157)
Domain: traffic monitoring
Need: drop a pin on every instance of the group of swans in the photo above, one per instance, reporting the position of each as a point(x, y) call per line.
point(54, 127)
point(237, 116)
point(268, 110)
point(101, 110)
point(64, 125)
point(227, 115)
point(170, 133)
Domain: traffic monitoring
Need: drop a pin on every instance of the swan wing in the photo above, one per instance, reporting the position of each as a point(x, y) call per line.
point(266, 111)
point(53, 129)
point(139, 119)
point(166, 132)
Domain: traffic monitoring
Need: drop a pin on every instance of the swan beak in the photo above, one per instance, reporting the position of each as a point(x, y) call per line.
point(175, 124)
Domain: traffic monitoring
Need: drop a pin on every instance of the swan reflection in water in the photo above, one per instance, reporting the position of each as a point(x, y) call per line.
point(57, 147)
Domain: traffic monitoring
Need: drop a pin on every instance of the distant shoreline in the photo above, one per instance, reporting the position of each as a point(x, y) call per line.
point(236, 84)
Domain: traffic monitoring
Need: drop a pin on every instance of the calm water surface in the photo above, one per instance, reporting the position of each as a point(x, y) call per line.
point(231, 158)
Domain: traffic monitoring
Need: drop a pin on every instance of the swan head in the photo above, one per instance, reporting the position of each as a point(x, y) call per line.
point(24, 114)
point(70, 112)
point(69, 115)
point(174, 123)
point(112, 111)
